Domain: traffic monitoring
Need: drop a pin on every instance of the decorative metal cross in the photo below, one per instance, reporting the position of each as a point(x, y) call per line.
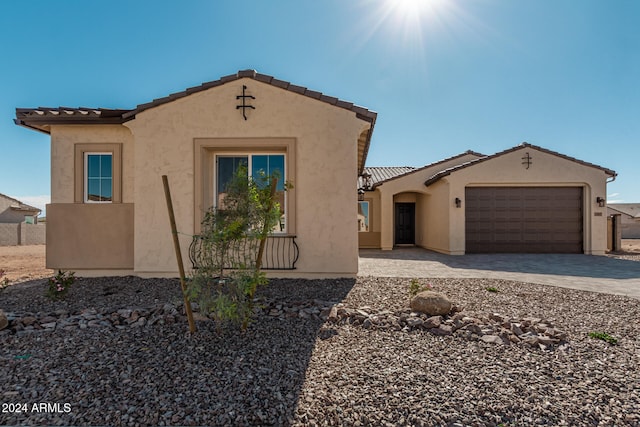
point(244, 105)
point(527, 160)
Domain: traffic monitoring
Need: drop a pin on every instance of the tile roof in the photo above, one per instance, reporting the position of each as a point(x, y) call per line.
point(361, 112)
point(19, 206)
point(59, 114)
point(631, 209)
point(449, 171)
point(41, 118)
point(380, 175)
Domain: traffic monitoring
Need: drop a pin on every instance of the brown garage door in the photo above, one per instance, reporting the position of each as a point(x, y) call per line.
point(523, 219)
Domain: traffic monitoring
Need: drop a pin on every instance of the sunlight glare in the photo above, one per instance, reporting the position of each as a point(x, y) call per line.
point(413, 17)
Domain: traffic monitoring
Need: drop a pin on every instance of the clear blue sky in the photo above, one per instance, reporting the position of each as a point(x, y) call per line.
point(444, 76)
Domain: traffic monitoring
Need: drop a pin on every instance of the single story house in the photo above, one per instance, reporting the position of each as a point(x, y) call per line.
point(524, 199)
point(13, 211)
point(108, 214)
point(629, 218)
point(19, 223)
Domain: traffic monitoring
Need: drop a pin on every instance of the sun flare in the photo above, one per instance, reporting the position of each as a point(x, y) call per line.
point(410, 7)
point(410, 16)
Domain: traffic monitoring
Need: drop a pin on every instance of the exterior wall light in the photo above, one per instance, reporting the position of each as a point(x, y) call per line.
point(600, 201)
point(367, 182)
point(458, 202)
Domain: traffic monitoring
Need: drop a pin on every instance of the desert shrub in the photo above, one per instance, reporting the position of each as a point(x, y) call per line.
point(415, 287)
point(59, 285)
point(230, 249)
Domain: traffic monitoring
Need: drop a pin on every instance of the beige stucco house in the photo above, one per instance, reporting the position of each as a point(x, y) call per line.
point(13, 211)
point(108, 214)
point(19, 223)
point(524, 199)
point(629, 218)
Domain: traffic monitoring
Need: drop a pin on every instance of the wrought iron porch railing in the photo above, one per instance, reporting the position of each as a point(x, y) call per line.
point(281, 252)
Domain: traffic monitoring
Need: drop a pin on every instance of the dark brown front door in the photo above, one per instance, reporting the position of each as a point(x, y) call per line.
point(523, 219)
point(405, 223)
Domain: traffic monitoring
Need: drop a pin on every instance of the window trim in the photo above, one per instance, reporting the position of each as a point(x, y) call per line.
point(206, 148)
point(86, 155)
point(115, 149)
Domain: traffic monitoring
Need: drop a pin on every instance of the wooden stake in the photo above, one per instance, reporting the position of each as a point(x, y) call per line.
point(274, 183)
point(176, 244)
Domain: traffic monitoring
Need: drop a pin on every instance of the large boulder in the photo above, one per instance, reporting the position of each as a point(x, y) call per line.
point(4, 322)
point(431, 303)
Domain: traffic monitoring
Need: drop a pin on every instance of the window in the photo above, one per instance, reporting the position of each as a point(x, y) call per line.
point(97, 173)
point(98, 168)
point(227, 165)
point(363, 216)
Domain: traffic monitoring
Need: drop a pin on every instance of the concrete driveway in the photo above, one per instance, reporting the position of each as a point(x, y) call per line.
point(592, 273)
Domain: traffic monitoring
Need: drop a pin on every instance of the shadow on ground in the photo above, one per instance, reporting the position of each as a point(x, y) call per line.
point(160, 375)
point(550, 264)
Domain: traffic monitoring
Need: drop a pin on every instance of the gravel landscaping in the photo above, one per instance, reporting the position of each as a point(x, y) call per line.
point(96, 363)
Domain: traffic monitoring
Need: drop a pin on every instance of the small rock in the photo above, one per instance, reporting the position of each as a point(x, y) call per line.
point(28, 320)
point(414, 322)
point(492, 339)
point(442, 330)
point(125, 313)
point(333, 314)
point(432, 322)
point(499, 318)
point(515, 328)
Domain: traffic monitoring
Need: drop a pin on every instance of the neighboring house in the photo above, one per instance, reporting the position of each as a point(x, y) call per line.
point(108, 214)
point(629, 216)
point(14, 211)
point(19, 223)
point(524, 199)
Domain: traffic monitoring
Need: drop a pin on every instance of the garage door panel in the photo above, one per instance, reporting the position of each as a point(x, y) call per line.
point(524, 219)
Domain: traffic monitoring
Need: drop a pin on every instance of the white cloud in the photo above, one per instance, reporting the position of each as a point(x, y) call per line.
point(614, 198)
point(39, 202)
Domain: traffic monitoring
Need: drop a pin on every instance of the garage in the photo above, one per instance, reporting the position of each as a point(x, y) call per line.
point(524, 219)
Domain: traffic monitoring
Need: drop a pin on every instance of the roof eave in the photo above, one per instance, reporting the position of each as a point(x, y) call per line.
point(371, 118)
point(23, 124)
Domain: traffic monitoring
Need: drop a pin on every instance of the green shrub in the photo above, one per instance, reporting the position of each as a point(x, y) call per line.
point(59, 284)
point(415, 287)
point(604, 337)
point(229, 256)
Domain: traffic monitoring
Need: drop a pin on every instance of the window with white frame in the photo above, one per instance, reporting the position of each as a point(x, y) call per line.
point(98, 179)
point(227, 166)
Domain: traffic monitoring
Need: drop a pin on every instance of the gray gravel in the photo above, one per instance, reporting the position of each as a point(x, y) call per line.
point(303, 371)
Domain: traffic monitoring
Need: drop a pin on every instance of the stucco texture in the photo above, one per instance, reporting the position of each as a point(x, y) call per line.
point(320, 142)
point(324, 163)
point(440, 226)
